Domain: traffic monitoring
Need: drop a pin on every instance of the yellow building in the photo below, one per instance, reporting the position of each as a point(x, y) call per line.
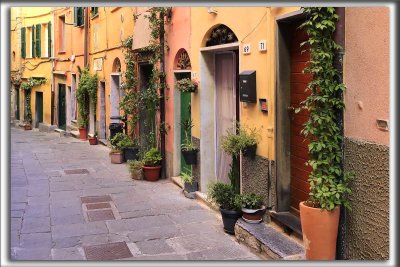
point(31, 58)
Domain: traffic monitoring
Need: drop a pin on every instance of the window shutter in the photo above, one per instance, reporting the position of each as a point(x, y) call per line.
point(80, 16)
point(23, 42)
point(38, 42)
point(33, 41)
point(49, 38)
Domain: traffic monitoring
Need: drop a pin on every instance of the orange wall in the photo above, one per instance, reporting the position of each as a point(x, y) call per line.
point(178, 36)
point(366, 73)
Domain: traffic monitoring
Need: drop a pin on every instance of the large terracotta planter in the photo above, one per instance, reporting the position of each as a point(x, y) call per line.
point(320, 229)
point(151, 173)
point(82, 133)
point(93, 140)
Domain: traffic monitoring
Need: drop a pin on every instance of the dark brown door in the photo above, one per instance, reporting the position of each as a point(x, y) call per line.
point(299, 186)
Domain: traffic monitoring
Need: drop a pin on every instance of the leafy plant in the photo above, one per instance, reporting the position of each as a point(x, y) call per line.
point(187, 126)
point(135, 165)
point(186, 85)
point(126, 141)
point(27, 87)
point(152, 158)
point(328, 182)
point(251, 201)
point(186, 178)
point(224, 195)
point(86, 91)
point(115, 142)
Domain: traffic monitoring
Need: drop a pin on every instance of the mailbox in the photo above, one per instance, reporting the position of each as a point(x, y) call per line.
point(247, 85)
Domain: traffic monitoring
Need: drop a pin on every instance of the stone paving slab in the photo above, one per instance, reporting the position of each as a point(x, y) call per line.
point(154, 220)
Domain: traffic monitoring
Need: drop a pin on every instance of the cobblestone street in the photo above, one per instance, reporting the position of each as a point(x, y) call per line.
point(68, 202)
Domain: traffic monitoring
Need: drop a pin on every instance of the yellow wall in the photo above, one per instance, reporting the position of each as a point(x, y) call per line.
point(251, 25)
point(107, 31)
point(31, 68)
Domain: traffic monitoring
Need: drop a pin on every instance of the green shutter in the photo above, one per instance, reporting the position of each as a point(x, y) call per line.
point(38, 42)
point(23, 42)
point(75, 16)
point(33, 40)
point(49, 38)
point(80, 16)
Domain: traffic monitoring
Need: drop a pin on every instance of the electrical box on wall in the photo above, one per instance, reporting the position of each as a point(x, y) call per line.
point(247, 86)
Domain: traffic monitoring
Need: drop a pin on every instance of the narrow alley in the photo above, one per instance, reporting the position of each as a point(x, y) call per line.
point(68, 202)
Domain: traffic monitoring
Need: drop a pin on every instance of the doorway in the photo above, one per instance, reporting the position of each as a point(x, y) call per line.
point(185, 115)
point(61, 107)
point(114, 98)
point(102, 126)
point(146, 119)
point(39, 109)
point(226, 106)
point(17, 104)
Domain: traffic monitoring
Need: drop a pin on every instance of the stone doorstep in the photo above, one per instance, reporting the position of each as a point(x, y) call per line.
point(268, 242)
point(261, 238)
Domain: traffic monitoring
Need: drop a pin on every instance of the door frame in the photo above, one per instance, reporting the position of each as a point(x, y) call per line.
point(58, 104)
point(102, 111)
point(282, 100)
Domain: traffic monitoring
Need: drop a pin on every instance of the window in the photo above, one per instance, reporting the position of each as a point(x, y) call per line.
point(78, 16)
point(94, 11)
point(46, 39)
point(61, 34)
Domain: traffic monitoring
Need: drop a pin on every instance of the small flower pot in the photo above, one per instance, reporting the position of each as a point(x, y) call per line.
point(152, 173)
point(137, 174)
point(190, 156)
point(82, 133)
point(250, 151)
point(253, 215)
point(229, 218)
point(117, 157)
point(27, 127)
point(191, 187)
point(92, 140)
point(130, 153)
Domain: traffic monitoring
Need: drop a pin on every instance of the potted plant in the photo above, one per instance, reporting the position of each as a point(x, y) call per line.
point(228, 200)
point(85, 92)
point(319, 214)
point(186, 85)
point(116, 153)
point(93, 139)
point(252, 207)
point(188, 149)
point(129, 147)
point(152, 164)
point(250, 139)
point(136, 169)
point(189, 185)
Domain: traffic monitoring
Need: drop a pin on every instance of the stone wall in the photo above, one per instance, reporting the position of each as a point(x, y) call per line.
point(367, 225)
point(196, 168)
point(255, 178)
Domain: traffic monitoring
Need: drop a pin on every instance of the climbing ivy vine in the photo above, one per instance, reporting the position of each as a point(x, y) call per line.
point(27, 87)
point(86, 91)
point(328, 181)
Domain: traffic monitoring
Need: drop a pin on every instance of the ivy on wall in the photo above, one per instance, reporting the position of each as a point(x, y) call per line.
point(328, 181)
point(27, 87)
point(86, 91)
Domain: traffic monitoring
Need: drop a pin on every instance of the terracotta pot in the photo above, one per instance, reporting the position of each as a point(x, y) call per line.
point(82, 133)
point(137, 174)
point(27, 127)
point(92, 140)
point(151, 173)
point(253, 215)
point(320, 229)
point(117, 157)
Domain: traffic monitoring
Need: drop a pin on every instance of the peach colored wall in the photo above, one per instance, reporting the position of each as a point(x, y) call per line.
point(366, 73)
point(141, 28)
point(178, 36)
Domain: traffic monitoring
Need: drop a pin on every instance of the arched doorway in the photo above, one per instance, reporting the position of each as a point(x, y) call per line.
point(219, 71)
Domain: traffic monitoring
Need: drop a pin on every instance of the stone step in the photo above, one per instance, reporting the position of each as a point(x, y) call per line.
point(267, 241)
point(74, 134)
point(288, 220)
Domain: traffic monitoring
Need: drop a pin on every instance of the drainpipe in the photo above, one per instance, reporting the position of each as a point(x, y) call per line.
point(162, 97)
point(85, 48)
point(339, 37)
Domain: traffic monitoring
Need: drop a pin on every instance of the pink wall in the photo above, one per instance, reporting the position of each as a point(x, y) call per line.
point(366, 73)
point(178, 36)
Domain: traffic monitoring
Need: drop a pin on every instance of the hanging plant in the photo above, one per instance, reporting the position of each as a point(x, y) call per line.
point(186, 85)
point(328, 182)
point(86, 91)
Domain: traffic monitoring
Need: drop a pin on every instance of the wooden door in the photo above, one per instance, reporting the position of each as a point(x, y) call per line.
point(39, 109)
point(17, 103)
point(185, 115)
point(299, 186)
point(61, 107)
